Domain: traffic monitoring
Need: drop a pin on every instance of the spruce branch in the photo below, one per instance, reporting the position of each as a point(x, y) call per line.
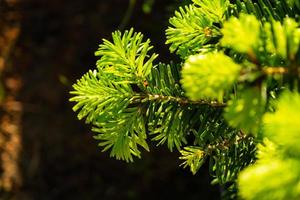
point(104, 96)
point(241, 34)
point(278, 173)
point(267, 44)
point(209, 76)
point(235, 57)
point(122, 133)
point(105, 104)
point(215, 9)
point(266, 10)
point(180, 100)
point(126, 57)
point(285, 119)
point(249, 106)
point(190, 31)
point(97, 95)
point(194, 158)
point(226, 153)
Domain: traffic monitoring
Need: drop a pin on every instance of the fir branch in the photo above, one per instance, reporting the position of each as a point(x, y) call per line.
point(238, 143)
point(97, 95)
point(194, 158)
point(126, 57)
point(234, 54)
point(226, 143)
point(190, 30)
point(123, 133)
point(267, 44)
point(234, 28)
point(250, 105)
point(215, 9)
point(266, 10)
point(209, 76)
point(180, 100)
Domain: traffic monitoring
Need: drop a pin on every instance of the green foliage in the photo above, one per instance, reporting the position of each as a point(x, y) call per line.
point(248, 106)
point(277, 168)
point(208, 76)
point(190, 31)
point(232, 153)
point(169, 123)
point(234, 28)
point(214, 9)
point(96, 94)
point(285, 120)
point(122, 133)
point(168, 120)
point(217, 105)
point(105, 104)
point(286, 38)
point(106, 97)
point(275, 182)
point(277, 179)
point(277, 176)
point(164, 80)
point(272, 38)
point(193, 156)
point(126, 57)
point(267, 10)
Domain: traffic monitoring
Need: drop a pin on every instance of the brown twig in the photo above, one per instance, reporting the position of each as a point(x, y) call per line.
point(180, 100)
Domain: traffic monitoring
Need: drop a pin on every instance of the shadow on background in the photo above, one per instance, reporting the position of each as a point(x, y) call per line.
point(46, 153)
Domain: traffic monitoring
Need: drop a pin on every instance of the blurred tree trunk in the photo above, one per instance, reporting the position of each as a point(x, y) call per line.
point(11, 110)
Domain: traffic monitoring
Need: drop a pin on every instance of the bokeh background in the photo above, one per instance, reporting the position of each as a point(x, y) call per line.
point(45, 152)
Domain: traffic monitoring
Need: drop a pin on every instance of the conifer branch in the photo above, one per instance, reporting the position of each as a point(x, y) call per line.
point(226, 143)
point(179, 100)
point(236, 57)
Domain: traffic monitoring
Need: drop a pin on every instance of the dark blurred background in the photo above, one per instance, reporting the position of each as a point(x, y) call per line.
point(45, 152)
